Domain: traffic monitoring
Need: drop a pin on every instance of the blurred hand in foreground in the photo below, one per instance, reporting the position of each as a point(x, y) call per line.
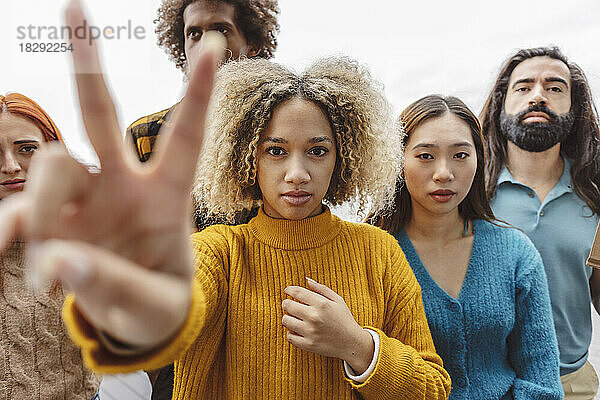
point(119, 238)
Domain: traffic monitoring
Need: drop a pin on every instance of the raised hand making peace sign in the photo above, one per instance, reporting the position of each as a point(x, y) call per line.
point(118, 238)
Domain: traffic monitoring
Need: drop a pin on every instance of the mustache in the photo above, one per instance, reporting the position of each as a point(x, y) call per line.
point(537, 108)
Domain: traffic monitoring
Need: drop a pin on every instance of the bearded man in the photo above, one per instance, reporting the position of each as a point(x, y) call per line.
point(543, 169)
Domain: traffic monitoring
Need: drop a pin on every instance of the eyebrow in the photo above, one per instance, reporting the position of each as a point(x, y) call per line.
point(430, 145)
point(549, 79)
point(272, 139)
point(320, 139)
point(557, 79)
point(211, 26)
point(26, 141)
point(222, 24)
point(317, 139)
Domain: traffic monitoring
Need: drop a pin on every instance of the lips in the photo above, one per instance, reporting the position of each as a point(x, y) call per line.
point(14, 184)
point(536, 116)
point(442, 195)
point(296, 197)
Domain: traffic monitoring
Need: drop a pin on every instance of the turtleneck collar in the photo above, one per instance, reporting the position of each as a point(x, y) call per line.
point(301, 234)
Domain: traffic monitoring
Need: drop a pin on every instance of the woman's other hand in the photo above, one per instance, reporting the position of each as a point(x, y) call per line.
point(318, 320)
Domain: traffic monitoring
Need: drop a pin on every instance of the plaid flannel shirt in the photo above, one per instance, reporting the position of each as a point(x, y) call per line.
point(143, 132)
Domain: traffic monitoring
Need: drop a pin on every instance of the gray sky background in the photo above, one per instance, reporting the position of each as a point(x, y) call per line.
point(414, 48)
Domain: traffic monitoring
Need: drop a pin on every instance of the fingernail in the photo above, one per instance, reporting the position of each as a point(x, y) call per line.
point(310, 280)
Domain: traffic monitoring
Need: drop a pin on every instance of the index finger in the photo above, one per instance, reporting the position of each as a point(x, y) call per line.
point(304, 295)
point(97, 108)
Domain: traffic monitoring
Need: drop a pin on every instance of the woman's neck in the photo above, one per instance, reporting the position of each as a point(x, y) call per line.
point(424, 225)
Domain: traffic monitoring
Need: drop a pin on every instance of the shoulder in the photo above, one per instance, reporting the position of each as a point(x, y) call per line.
point(220, 232)
point(143, 133)
point(216, 240)
point(502, 236)
point(146, 123)
point(509, 246)
point(369, 234)
point(378, 246)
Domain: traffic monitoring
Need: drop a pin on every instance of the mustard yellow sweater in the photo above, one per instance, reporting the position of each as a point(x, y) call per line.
point(233, 345)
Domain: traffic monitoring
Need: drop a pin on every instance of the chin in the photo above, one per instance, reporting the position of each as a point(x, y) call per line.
point(295, 215)
point(442, 208)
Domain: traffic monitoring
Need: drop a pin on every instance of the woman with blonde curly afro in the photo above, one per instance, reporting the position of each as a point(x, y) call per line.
point(295, 304)
point(366, 151)
point(300, 304)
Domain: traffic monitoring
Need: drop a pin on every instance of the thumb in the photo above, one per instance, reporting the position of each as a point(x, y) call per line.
point(62, 260)
point(134, 305)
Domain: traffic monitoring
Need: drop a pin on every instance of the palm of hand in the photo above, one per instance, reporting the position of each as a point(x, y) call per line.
point(117, 238)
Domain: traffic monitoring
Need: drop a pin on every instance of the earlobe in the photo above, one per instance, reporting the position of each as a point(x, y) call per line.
point(252, 52)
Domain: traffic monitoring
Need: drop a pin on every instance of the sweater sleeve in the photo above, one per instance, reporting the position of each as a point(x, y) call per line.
point(207, 307)
point(532, 344)
point(408, 366)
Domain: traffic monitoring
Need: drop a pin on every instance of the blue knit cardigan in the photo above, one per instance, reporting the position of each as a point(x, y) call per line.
point(497, 339)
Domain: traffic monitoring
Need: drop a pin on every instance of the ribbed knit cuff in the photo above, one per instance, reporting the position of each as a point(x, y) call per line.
point(99, 359)
point(363, 377)
point(394, 366)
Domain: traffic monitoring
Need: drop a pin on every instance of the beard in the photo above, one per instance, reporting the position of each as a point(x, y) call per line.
point(536, 136)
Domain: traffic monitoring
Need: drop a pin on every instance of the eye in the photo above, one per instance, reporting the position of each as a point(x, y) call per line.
point(194, 34)
point(27, 149)
point(223, 29)
point(318, 151)
point(275, 151)
point(555, 89)
point(522, 89)
point(424, 156)
point(462, 155)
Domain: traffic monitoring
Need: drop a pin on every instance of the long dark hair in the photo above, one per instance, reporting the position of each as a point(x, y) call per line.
point(476, 203)
point(582, 145)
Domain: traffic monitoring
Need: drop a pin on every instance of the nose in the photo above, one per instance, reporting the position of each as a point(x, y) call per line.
point(538, 96)
point(296, 172)
point(10, 165)
point(442, 172)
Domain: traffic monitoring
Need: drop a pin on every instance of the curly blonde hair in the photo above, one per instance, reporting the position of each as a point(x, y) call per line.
point(257, 19)
point(369, 150)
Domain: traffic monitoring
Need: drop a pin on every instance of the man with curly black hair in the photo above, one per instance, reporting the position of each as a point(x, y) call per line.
point(249, 26)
